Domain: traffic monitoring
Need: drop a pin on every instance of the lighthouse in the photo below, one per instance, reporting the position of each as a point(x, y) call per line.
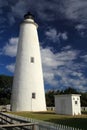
point(28, 86)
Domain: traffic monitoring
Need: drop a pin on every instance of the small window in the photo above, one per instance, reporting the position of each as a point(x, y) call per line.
point(33, 95)
point(32, 59)
point(73, 98)
point(77, 98)
point(76, 102)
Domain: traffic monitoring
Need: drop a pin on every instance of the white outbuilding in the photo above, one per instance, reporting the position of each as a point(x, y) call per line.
point(68, 104)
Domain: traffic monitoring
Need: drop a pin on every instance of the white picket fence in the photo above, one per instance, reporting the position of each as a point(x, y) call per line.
point(42, 125)
point(7, 108)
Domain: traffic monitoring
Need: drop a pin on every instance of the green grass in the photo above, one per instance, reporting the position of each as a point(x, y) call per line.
point(73, 121)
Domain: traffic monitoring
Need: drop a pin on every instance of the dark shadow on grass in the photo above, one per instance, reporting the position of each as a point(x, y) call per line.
point(72, 122)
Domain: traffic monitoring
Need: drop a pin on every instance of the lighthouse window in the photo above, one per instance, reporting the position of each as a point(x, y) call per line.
point(76, 102)
point(32, 59)
point(33, 95)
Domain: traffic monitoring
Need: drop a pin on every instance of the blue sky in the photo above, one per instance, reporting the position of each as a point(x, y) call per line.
point(62, 34)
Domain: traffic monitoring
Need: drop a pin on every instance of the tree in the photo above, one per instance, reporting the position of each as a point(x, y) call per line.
point(84, 99)
point(5, 89)
point(70, 91)
point(50, 96)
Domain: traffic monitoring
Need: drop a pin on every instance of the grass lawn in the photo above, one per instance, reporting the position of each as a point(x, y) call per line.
point(73, 121)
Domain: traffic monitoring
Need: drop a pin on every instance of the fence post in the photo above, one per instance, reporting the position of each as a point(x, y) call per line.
point(43, 125)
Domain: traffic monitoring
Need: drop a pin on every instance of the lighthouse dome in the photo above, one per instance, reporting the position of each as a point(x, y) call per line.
point(28, 16)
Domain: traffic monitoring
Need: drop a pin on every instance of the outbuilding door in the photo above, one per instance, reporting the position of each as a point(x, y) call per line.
point(63, 106)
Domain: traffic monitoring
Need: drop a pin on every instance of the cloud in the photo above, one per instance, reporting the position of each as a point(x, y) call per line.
point(46, 10)
point(80, 27)
point(74, 9)
point(14, 10)
point(55, 36)
point(1, 31)
point(68, 47)
point(19, 8)
point(61, 69)
point(82, 30)
point(52, 34)
point(63, 35)
point(11, 67)
point(11, 18)
point(10, 49)
point(65, 9)
point(84, 57)
point(3, 3)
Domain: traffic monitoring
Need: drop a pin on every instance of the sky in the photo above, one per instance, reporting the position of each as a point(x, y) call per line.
point(63, 39)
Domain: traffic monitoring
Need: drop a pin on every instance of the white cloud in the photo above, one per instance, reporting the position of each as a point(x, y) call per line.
point(70, 9)
point(53, 35)
point(47, 10)
point(61, 70)
point(19, 8)
point(80, 27)
point(44, 9)
point(10, 49)
point(14, 9)
point(11, 67)
point(63, 35)
point(82, 30)
point(74, 9)
point(84, 57)
point(68, 47)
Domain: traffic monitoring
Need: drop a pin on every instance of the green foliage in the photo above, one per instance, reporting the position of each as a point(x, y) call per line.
point(84, 99)
point(50, 96)
point(6, 85)
point(70, 91)
point(5, 89)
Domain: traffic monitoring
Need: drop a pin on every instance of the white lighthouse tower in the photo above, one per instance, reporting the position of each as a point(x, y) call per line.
point(28, 87)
